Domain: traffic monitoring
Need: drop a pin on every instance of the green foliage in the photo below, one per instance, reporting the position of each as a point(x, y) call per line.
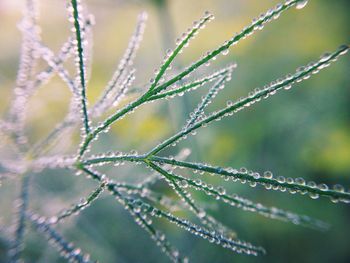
point(143, 201)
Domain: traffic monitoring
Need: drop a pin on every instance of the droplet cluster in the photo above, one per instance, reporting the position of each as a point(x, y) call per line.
point(141, 218)
point(138, 206)
point(220, 193)
point(53, 162)
point(302, 73)
point(66, 249)
point(121, 79)
point(206, 100)
point(286, 82)
point(243, 175)
point(77, 208)
point(257, 24)
point(181, 43)
point(212, 236)
point(28, 60)
point(20, 223)
point(75, 12)
point(179, 186)
point(143, 200)
point(180, 90)
point(115, 95)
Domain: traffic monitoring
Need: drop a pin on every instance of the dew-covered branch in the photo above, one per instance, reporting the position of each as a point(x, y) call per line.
point(206, 100)
point(22, 206)
point(27, 62)
point(220, 193)
point(122, 69)
point(298, 185)
point(66, 249)
point(185, 196)
point(286, 83)
point(181, 43)
point(193, 85)
point(77, 208)
point(257, 24)
point(140, 218)
point(235, 245)
point(80, 60)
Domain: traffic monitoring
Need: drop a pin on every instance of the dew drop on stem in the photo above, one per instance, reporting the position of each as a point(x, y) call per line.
point(301, 4)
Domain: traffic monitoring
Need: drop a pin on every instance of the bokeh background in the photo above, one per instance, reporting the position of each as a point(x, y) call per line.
point(301, 132)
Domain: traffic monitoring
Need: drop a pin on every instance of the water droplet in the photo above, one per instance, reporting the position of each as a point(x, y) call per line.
point(300, 181)
point(314, 195)
point(311, 184)
point(345, 49)
point(202, 214)
point(183, 184)
point(207, 13)
point(288, 86)
point(281, 179)
point(225, 52)
point(334, 199)
point(290, 180)
point(198, 182)
point(325, 57)
point(268, 175)
point(338, 188)
point(301, 4)
point(133, 152)
point(221, 190)
point(323, 187)
point(252, 184)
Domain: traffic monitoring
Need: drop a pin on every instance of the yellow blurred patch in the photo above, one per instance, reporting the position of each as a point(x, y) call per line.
point(222, 148)
point(334, 155)
point(152, 128)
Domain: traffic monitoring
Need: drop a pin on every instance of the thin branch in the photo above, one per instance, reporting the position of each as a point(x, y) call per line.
point(245, 204)
point(66, 249)
point(235, 245)
point(271, 89)
point(81, 66)
point(17, 246)
point(77, 208)
point(124, 64)
point(140, 219)
point(257, 24)
point(178, 186)
point(199, 111)
point(182, 43)
point(280, 183)
point(192, 85)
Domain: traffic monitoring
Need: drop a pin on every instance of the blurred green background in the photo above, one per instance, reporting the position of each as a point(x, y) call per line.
point(301, 132)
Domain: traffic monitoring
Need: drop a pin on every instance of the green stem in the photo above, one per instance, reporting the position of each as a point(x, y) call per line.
point(273, 182)
point(17, 247)
point(81, 66)
point(245, 204)
point(188, 86)
point(154, 90)
point(247, 101)
point(246, 32)
point(261, 180)
point(74, 209)
point(176, 51)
